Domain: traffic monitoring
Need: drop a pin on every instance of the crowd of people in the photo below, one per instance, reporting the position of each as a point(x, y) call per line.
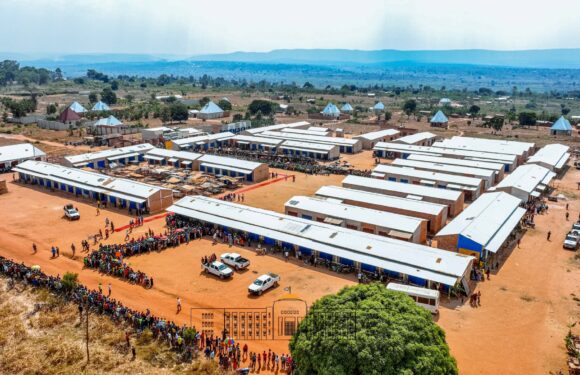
point(182, 339)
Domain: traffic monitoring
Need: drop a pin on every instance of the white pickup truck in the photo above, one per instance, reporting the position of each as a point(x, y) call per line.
point(218, 269)
point(263, 283)
point(235, 260)
point(71, 213)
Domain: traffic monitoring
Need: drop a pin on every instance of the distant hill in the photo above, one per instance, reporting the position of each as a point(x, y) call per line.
point(551, 59)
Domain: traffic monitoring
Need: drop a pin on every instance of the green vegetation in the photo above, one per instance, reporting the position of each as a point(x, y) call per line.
point(367, 329)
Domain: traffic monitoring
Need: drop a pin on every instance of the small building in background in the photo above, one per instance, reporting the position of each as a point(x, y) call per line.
point(439, 120)
point(554, 157)
point(12, 155)
point(77, 107)
point(68, 116)
point(347, 108)
point(331, 111)
point(109, 125)
point(561, 127)
point(100, 106)
point(419, 139)
point(210, 111)
point(369, 140)
point(379, 108)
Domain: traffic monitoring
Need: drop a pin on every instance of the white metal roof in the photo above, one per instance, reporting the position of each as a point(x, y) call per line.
point(410, 189)
point(373, 136)
point(318, 129)
point(88, 180)
point(230, 162)
point(401, 223)
point(415, 138)
point(308, 146)
point(555, 155)
point(181, 155)
point(445, 168)
point(201, 139)
point(376, 199)
point(461, 162)
point(447, 152)
point(106, 154)
point(428, 175)
point(278, 127)
point(413, 290)
point(305, 131)
point(311, 138)
point(487, 145)
point(526, 178)
point(399, 256)
point(488, 220)
point(254, 139)
point(19, 152)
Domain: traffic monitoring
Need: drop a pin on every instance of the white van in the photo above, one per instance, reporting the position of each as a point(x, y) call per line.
point(427, 298)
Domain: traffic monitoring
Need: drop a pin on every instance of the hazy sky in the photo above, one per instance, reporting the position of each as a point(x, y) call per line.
point(188, 27)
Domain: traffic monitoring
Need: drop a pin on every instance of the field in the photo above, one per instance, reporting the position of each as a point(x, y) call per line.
point(526, 307)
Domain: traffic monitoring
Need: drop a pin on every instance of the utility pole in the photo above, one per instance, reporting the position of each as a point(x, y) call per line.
point(87, 336)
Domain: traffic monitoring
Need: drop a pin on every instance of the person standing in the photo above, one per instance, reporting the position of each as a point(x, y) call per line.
point(109, 287)
point(34, 248)
point(178, 305)
point(549, 234)
point(73, 249)
point(98, 211)
point(100, 288)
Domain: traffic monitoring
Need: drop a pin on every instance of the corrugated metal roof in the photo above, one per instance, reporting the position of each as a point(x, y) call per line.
point(19, 152)
point(253, 139)
point(417, 190)
point(100, 106)
point(346, 107)
point(211, 107)
point(308, 146)
point(109, 121)
point(311, 138)
point(377, 199)
point(445, 168)
point(105, 154)
point(400, 256)
point(485, 218)
point(304, 131)
point(77, 107)
point(278, 127)
point(486, 145)
point(90, 180)
point(181, 155)
point(526, 178)
point(552, 154)
point(439, 118)
point(433, 176)
point(204, 138)
point(415, 138)
point(562, 125)
point(444, 151)
point(461, 162)
point(331, 109)
point(373, 136)
point(401, 223)
point(230, 162)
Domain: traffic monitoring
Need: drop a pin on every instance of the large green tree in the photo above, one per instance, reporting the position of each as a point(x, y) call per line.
point(410, 107)
point(367, 329)
point(108, 96)
point(178, 112)
point(265, 107)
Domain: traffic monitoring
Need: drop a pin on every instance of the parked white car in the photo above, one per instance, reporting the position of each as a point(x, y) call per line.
point(71, 213)
point(218, 269)
point(571, 242)
point(235, 260)
point(263, 283)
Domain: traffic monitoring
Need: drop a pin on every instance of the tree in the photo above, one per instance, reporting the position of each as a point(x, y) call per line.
point(368, 329)
point(474, 110)
point(69, 281)
point(115, 85)
point(225, 105)
point(388, 115)
point(265, 107)
point(108, 96)
point(51, 109)
point(178, 112)
point(93, 97)
point(238, 117)
point(527, 118)
point(308, 85)
point(410, 107)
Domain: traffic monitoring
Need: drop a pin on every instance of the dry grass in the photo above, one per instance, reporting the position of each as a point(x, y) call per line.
point(51, 341)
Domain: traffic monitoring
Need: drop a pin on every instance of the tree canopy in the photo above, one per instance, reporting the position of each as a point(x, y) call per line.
point(410, 107)
point(378, 332)
point(265, 107)
point(108, 96)
point(225, 105)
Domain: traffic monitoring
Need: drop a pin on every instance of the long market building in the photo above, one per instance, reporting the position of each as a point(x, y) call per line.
point(413, 263)
point(434, 213)
point(484, 228)
point(12, 155)
point(349, 146)
point(527, 182)
point(117, 192)
point(497, 168)
point(368, 220)
point(454, 200)
point(553, 156)
point(110, 157)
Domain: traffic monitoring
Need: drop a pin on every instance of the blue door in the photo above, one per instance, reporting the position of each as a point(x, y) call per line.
point(133, 205)
point(306, 217)
point(91, 165)
point(346, 262)
point(394, 179)
point(70, 189)
point(417, 280)
point(325, 256)
point(101, 164)
point(368, 267)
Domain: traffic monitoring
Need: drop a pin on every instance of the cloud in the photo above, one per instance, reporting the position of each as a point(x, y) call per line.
point(187, 27)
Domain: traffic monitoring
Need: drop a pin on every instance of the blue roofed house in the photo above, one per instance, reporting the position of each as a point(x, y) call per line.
point(347, 108)
point(77, 107)
point(440, 120)
point(331, 111)
point(379, 107)
point(561, 127)
point(109, 125)
point(100, 106)
point(210, 111)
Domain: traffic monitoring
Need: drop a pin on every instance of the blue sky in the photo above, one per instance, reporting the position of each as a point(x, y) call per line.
point(189, 27)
